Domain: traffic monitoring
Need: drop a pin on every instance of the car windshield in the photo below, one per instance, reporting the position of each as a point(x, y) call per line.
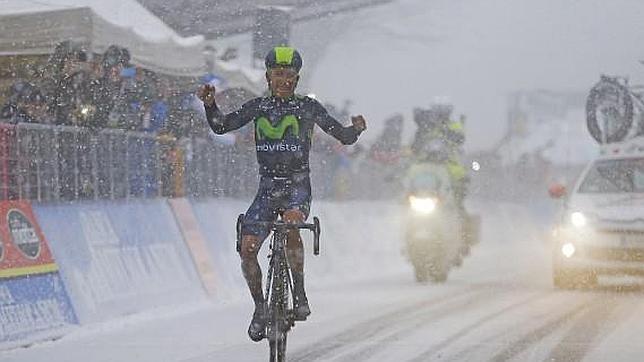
point(615, 176)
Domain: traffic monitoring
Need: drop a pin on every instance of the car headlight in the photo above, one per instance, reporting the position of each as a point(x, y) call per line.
point(578, 219)
point(423, 205)
point(568, 250)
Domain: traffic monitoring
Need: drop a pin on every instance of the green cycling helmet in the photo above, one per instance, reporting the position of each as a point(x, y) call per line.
point(283, 56)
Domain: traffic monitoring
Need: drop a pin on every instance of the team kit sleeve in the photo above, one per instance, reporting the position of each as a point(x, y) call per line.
point(346, 135)
point(221, 123)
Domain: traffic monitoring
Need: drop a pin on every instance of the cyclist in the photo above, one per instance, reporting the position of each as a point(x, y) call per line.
point(284, 123)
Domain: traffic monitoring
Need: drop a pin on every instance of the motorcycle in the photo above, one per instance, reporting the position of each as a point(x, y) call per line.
point(438, 233)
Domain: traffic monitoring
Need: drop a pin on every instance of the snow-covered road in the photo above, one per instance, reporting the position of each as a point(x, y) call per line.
point(499, 306)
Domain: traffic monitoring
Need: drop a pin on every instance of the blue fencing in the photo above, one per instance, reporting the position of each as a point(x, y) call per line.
point(119, 258)
point(32, 305)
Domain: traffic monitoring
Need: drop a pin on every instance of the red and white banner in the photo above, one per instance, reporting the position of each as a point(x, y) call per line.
point(23, 248)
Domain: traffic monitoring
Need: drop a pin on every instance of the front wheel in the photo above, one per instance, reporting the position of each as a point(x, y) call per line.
point(279, 304)
point(421, 274)
point(429, 262)
point(278, 347)
point(438, 270)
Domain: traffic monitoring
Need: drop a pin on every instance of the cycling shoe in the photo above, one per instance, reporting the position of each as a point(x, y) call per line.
point(257, 327)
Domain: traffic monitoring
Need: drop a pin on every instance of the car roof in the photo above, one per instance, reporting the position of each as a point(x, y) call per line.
point(633, 148)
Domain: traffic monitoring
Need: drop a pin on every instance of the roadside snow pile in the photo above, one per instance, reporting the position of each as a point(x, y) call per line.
point(360, 240)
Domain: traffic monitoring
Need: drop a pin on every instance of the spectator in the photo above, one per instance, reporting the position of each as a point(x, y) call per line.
point(387, 148)
point(106, 90)
point(127, 106)
point(26, 104)
point(70, 100)
point(184, 117)
point(11, 106)
point(154, 120)
point(34, 105)
point(138, 100)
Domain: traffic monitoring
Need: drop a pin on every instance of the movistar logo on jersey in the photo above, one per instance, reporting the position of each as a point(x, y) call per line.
point(265, 129)
point(278, 147)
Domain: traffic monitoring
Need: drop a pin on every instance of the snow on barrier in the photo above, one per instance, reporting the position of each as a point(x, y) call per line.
point(33, 300)
point(119, 258)
point(360, 240)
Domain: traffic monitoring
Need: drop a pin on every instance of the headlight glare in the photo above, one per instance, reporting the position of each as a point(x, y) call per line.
point(423, 205)
point(568, 250)
point(578, 219)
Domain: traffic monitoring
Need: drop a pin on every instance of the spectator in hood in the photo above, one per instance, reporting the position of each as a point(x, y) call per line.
point(106, 90)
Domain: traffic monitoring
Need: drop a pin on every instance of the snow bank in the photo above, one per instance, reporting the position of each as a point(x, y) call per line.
point(122, 258)
point(360, 240)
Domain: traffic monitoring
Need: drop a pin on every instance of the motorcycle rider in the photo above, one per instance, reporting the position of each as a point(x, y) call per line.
point(436, 124)
point(430, 173)
point(284, 123)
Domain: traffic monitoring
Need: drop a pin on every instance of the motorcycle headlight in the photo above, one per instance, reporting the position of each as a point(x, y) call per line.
point(578, 219)
point(423, 205)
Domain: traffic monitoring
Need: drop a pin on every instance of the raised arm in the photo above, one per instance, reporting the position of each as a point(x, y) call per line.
point(221, 123)
point(347, 135)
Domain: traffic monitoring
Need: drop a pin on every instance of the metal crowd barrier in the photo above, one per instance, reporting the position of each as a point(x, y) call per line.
point(46, 163)
point(63, 163)
point(51, 163)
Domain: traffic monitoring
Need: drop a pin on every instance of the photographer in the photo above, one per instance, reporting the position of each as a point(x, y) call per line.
point(70, 100)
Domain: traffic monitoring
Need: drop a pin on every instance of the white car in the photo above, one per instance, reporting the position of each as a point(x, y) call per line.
point(602, 228)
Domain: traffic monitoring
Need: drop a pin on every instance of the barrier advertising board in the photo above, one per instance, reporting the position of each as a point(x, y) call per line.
point(120, 258)
point(33, 299)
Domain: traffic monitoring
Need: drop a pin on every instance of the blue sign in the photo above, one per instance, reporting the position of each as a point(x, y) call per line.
point(33, 304)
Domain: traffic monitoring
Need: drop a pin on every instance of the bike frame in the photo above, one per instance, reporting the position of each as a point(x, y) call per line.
point(279, 283)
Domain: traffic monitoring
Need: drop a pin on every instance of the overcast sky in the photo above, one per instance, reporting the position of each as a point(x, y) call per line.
point(394, 57)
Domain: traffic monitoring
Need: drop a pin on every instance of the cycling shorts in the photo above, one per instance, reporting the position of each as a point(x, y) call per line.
point(274, 196)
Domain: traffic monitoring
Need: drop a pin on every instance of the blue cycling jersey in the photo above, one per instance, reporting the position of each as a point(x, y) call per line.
point(283, 130)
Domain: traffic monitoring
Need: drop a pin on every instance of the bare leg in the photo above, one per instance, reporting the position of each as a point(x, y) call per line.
point(295, 249)
point(250, 267)
point(295, 254)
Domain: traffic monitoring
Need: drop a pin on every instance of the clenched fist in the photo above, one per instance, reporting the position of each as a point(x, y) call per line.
point(359, 123)
point(207, 95)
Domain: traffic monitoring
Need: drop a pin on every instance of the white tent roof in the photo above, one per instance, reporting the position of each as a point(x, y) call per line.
point(36, 26)
point(128, 14)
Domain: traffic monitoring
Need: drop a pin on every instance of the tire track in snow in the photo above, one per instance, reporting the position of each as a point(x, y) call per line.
point(426, 356)
point(542, 332)
point(420, 319)
point(585, 332)
point(370, 328)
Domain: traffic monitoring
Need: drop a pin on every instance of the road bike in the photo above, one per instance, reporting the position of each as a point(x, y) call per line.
point(279, 283)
